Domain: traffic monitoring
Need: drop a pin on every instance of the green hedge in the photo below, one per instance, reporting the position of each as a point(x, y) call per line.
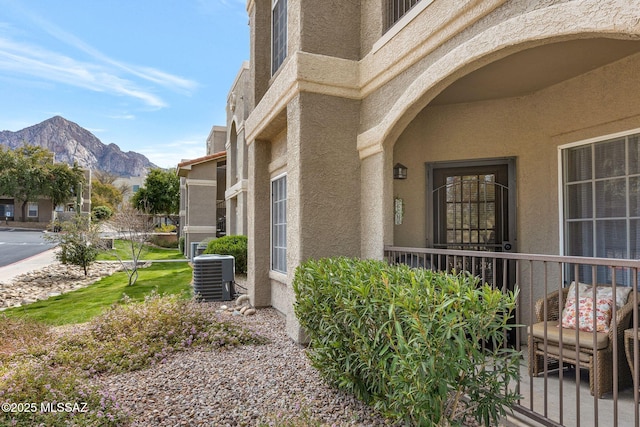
point(231, 245)
point(409, 341)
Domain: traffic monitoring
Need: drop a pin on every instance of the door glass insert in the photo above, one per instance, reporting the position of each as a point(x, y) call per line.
point(470, 208)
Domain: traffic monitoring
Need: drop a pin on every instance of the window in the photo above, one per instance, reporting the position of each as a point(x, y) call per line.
point(279, 224)
point(601, 191)
point(278, 34)
point(136, 188)
point(32, 210)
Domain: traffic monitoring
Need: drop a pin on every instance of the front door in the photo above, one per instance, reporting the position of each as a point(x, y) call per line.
point(472, 209)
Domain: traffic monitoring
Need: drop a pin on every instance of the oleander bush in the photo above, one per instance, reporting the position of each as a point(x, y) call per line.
point(423, 347)
point(231, 245)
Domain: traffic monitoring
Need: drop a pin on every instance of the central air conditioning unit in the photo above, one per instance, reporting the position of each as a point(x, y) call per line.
point(213, 277)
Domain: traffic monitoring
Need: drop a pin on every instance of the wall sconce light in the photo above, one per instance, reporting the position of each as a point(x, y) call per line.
point(399, 171)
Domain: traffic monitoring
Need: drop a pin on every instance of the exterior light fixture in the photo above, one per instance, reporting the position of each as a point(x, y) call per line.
point(399, 171)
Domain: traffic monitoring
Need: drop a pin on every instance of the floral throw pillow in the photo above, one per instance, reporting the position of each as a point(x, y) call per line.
point(584, 290)
point(587, 309)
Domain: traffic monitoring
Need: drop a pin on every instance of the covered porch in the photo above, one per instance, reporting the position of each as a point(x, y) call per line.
point(558, 394)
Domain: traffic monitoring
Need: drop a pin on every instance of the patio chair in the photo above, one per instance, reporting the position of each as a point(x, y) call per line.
point(600, 367)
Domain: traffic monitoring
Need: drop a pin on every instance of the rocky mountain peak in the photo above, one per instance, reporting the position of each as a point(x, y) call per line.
point(71, 142)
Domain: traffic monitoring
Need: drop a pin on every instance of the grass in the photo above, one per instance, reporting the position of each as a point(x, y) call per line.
point(154, 253)
point(127, 328)
point(84, 304)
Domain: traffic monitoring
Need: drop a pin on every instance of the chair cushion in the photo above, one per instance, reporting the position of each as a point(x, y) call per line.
point(602, 291)
point(585, 339)
point(587, 309)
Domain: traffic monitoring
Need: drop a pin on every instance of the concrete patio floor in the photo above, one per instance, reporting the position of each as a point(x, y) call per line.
point(565, 397)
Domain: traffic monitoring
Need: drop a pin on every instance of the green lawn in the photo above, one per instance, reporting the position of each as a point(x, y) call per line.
point(84, 304)
point(123, 251)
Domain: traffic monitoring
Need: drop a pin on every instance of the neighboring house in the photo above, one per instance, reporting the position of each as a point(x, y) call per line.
point(202, 189)
point(42, 210)
point(517, 121)
point(129, 185)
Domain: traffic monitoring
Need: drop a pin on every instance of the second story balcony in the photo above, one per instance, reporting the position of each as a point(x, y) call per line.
point(396, 9)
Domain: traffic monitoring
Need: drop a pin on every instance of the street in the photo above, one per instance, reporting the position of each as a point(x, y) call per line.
point(16, 245)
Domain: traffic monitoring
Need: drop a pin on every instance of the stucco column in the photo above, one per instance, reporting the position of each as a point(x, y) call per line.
point(258, 283)
point(376, 210)
point(323, 183)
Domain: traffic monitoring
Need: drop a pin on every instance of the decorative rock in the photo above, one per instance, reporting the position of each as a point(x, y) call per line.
point(52, 280)
point(250, 312)
point(242, 299)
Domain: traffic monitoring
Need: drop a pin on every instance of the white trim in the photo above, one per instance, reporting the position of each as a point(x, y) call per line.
point(274, 3)
point(271, 181)
point(561, 201)
point(239, 187)
point(191, 229)
point(202, 182)
point(37, 209)
point(599, 138)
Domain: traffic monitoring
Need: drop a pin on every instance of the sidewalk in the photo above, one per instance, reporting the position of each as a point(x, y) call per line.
point(35, 262)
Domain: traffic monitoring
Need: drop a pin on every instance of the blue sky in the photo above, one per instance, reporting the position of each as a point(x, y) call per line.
point(151, 76)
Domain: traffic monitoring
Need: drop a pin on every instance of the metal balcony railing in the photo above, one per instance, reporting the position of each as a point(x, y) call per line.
point(396, 9)
point(554, 391)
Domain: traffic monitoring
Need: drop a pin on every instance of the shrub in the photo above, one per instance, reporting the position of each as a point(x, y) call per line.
point(409, 341)
point(136, 335)
point(27, 378)
point(164, 241)
point(37, 365)
point(231, 245)
point(181, 241)
point(101, 213)
point(166, 228)
point(79, 242)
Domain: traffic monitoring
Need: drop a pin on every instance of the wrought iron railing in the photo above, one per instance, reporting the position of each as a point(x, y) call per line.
point(554, 392)
point(396, 9)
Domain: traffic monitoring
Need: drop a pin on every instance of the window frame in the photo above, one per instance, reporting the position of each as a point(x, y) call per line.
point(594, 220)
point(278, 27)
point(30, 208)
point(278, 260)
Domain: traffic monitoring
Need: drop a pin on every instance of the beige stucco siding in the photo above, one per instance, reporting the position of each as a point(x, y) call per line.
point(529, 128)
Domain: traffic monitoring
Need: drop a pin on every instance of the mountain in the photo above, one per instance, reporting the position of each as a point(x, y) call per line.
point(70, 142)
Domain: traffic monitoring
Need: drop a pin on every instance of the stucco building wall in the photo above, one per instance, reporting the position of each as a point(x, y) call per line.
point(351, 100)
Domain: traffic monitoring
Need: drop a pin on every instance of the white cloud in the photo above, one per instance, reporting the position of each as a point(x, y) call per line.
point(101, 74)
point(25, 59)
point(123, 116)
point(165, 155)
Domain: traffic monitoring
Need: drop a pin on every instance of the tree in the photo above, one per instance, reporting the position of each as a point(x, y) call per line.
point(160, 193)
point(104, 177)
point(7, 165)
point(62, 182)
point(105, 194)
point(134, 228)
point(29, 172)
point(79, 242)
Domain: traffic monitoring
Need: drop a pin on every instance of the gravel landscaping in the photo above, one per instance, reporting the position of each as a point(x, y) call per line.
point(271, 384)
